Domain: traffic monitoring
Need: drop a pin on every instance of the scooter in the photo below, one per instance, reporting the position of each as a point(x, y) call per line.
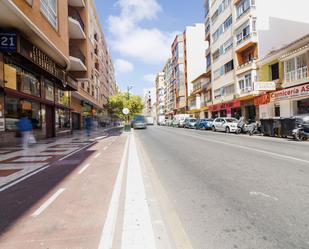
point(254, 128)
point(300, 134)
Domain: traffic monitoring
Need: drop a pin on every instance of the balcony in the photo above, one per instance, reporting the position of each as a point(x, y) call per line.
point(76, 3)
point(77, 60)
point(296, 75)
point(76, 25)
point(246, 42)
point(246, 15)
point(247, 66)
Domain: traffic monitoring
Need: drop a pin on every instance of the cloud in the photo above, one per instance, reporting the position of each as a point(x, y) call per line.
point(150, 45)
point(150, 78)
point(123, 66)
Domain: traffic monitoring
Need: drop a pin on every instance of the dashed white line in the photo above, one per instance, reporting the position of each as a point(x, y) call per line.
point(84, 168)
point(48, 202)
point(264, 195)
point(97, 155)
point(74, 152)
point(107, 236)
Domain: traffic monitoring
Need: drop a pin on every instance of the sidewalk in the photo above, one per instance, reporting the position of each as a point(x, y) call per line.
point(15, 163)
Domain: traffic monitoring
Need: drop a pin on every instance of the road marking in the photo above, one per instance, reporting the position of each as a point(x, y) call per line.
point(74, 152)
point(101, 137)
point(105, 148)
point(84, 168)
point(107, 236)
point(264, 195)
point(47, 203)
point(137, 229)
point(97, 155)
point(250, 148)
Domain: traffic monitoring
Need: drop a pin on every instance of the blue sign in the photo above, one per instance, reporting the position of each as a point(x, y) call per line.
point(8, 41)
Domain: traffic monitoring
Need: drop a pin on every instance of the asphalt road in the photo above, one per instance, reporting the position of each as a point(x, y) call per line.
point(233, 191)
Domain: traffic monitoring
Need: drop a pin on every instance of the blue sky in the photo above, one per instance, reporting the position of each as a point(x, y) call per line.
point(139, 34)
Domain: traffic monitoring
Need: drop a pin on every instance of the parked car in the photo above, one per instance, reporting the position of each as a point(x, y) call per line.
point(204, 124)
point(190, 123)
point(140, 122)
point(225, 124)
point(168, 122)
point(180, 120)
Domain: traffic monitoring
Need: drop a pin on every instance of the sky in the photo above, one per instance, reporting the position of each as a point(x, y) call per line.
point(139, 34)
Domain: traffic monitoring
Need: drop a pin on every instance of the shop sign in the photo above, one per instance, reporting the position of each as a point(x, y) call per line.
point(8, 41)
point(289, 93)
point(226, 105)
point(262, 100)
point(264, 86)
point(37, 56)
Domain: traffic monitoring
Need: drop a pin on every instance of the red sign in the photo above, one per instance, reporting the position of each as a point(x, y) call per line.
point(293, 92)
point(262, 100)
point(225, 105)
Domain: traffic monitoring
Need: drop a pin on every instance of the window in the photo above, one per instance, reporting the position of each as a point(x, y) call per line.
point(49, 90)
point(296, 68)
point(217, 73)
point(217, 93)
point(223, 5)
point(243, 33)
point(242, 7)
point(16, 107)
point(245, 83)
point(223, 27)
point(62, 97)
point(19, 79)
point(229, 90)
point(49, 9)
point(274, 71)
point(228, 67)
point(63, 120)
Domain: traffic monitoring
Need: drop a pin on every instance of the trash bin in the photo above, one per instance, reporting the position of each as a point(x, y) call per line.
point(276, 127)
point(287, 126)
point(127, 127)
point(267, 127)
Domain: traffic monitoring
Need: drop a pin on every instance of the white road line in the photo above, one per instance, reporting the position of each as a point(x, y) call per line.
point(107, 236)
point(252, 149)
point(97, 155)
point(105, 148)
point(137, 229)
point(264, 195)
point(47, 203)
point(84, 168)
point(23, 178)
point(73, 152)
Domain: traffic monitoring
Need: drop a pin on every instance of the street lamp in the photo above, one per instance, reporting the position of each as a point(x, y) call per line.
point(128, 90)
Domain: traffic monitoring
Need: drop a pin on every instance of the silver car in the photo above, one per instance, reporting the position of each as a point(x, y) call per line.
point(225, 124)
point(140, 122)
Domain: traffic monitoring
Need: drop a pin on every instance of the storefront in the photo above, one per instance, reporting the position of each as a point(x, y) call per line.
point(226, 109)
point(36, 87)
point(291, 101)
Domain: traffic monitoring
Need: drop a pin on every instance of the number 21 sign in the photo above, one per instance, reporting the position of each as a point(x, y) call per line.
point(8, 41)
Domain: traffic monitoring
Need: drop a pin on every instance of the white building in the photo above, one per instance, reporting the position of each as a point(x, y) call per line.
point(188, 58)
point(149, 98)
point(160, 88)
point(240, 32)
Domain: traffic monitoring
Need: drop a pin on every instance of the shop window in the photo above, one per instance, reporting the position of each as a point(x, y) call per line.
point(1, 112)
point(63, 120)
point(19, 79)
point(12, 113)
point(277, 111)
point(303, 106)
point(49, 90)
point(63, 97)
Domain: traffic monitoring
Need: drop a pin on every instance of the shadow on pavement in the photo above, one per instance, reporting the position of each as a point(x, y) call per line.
point(20, 198)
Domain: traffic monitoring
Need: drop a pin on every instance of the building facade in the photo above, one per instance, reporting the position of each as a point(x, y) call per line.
point(160, 102)
point(45, 60)
point(288, 68)
point(188, 58)
point(240, 32)
point(150, 98)
point(169, 90)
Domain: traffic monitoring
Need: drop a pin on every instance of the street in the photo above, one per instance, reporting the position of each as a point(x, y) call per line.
point(233, 191)
point(140, 190)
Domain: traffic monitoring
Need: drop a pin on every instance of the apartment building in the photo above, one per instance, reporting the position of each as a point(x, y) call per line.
point(169, 89)
point(188, 58)
point(91, 63)
point(240, 32)
point(288, 68)
point(160, 88)
point(150, 99)
point(46, 56)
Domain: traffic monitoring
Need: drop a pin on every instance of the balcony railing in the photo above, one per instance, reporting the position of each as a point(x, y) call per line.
point(298, 74)
point(76, 16)
point(247, 37)
point(246, 90)
point(247, 63)
point(77, 53)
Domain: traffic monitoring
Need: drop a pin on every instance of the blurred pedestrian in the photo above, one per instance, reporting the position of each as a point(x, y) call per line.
point(88, 124)
point(25, 128)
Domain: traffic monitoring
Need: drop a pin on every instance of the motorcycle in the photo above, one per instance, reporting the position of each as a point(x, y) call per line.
point(300, 134)
point(254, 128)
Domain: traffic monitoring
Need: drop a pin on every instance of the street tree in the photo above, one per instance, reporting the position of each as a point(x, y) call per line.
point(119, 101)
